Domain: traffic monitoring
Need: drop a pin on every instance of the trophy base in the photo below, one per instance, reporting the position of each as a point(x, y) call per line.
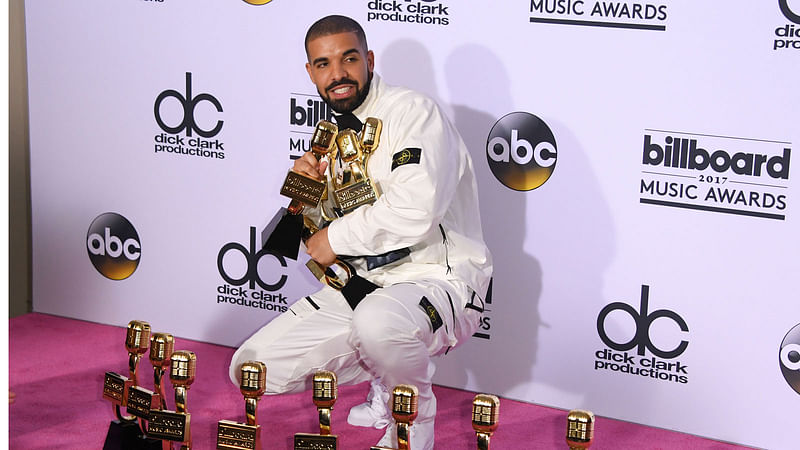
point(283, 234)
point(128, 436)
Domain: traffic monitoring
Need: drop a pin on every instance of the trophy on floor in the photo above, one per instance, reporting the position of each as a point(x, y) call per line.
point(404, 412)
point(174, 425)
point(485, 413)
point(245, 436)
point(125, 432)
point(580, 429)
point(324, 392)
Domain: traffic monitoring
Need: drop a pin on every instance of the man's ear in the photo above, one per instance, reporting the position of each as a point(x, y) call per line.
point(308, 69)
point(370, 60)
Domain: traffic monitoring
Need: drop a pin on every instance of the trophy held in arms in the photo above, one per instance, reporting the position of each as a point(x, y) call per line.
point(341, 192)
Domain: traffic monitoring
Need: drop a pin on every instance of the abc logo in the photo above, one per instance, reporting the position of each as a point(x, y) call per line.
point(789, 358)
point(521, 151)
point(257, 2)
point(188, 105)
point(253, 260)
point(641, 339)
point(791, 15)
point(113, 246)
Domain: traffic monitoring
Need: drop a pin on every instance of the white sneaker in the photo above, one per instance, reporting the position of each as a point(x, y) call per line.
point(375, 411)
point(421, 437)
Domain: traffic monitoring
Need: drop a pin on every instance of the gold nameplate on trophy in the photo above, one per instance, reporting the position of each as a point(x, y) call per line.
point(354, 195)
point(303, 189)
point(324, 392)
point(580, 429)
point(141, 400)
point(237, 436)
point(307, 441)
point(169, 426)
point(114, 388)
point(485, 414)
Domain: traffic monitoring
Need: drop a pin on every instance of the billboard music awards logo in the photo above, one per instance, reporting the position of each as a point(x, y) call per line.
point(305, 111)
point(425, 12)
point(787, 35)
point(252, 276)
point(114, 246)
point(789, 358)
point(719, 174)
point(189, 122)
point(605, 14)
point(521, 151)
point(639, 355)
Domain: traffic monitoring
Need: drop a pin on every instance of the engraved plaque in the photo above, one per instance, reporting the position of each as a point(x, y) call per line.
point(354, 195)
point(140, 401)
point(169, 425)
point(303, 441)
point(303, 189)
point(114, 388)
point(236, 436)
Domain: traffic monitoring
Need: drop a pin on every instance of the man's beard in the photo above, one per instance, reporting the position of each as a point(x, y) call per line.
point(347, 105)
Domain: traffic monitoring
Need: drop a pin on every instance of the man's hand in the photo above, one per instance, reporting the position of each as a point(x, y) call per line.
point(320, 249)
point(309, 166)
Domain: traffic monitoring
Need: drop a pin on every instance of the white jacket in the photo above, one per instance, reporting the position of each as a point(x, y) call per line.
point(417, 197)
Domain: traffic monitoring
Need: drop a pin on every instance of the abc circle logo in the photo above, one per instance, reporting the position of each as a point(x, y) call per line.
point(791, 15)
point(252, 260)
point(521, 151)
point(789, 358)
point(188, 106)
point(114, 246)
point(641, 338)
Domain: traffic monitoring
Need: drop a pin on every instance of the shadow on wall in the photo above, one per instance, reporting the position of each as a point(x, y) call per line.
point(503, 215)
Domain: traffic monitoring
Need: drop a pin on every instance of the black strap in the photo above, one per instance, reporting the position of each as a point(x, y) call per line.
point(356, 289)
point(348, 120)
point(373, 262)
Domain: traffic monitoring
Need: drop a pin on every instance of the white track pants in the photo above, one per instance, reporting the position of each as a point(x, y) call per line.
point(389, 335)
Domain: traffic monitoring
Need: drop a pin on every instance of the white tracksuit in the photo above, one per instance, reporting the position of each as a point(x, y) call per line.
point(428, 204)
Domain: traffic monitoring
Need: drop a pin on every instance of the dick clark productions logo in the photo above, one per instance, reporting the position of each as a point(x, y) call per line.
point(616, 358)
point(114, 246)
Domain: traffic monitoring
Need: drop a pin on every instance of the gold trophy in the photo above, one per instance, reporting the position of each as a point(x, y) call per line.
point(284, 232)
point(174, 425)
point(124, 391)
point(485, 413)
point(324, 395)
point(243, 436)
point(141, 400)
point(355, 188)
point(580, 429)
point(404, 411)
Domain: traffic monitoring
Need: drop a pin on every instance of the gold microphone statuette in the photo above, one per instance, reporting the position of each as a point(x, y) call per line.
point(485, 414)
point(137, 339)
point(304, 190)
point(324, 393)
point(355, 188)
point(580, 429)
point(175, 425)
point(404, 412)
point(232, 435)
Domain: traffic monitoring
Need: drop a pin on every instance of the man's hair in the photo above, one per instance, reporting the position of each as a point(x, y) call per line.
point(334, 25)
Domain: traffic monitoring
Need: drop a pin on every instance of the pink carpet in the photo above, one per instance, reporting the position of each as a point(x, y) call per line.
point(56, 369)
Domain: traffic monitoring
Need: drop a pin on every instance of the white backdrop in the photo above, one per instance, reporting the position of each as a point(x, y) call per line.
point(713, 252)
